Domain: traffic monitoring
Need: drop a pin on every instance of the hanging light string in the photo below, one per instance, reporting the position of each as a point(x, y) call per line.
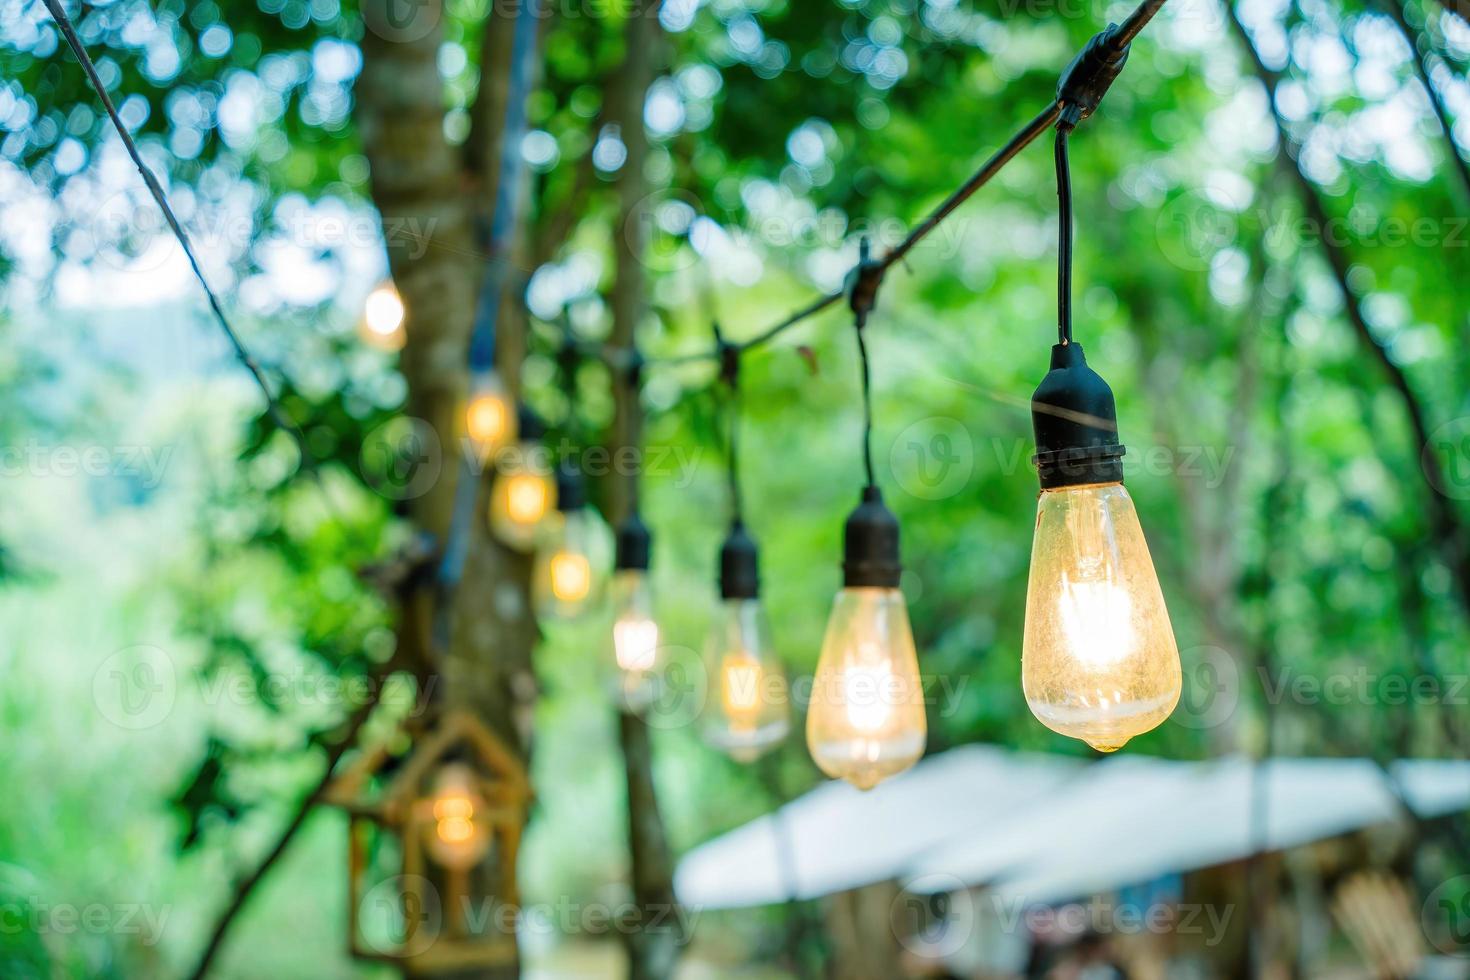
point(155, 189)
point(1079, 90)
point(1088, 75)
point(503, 222)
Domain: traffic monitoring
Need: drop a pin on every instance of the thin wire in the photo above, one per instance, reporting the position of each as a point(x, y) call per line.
point(1124, 35)
point(732, 408)
point(1135, 22)
point(481, 352)
point(1127, 31)
point(1064, 241)
point(524, 36)
point(981, 177)
point(273, 406)
point(867, 403)
point(633, 378)
point(805, 313)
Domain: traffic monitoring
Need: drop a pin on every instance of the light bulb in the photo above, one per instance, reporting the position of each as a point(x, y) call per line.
point(750, 712)
point(521, 499)
point(382, 320)
point(489, 422)
point(634, 631)
point(460, 835)
point(564, 574)
point(866, 719)
point(1099, 661)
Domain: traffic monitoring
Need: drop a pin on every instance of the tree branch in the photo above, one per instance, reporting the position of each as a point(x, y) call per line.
point(1420, 56)
point(246, 885)
point(1445, 522)
point(1460, 8)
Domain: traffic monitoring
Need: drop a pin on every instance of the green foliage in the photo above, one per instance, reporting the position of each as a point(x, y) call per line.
point(1280, 486)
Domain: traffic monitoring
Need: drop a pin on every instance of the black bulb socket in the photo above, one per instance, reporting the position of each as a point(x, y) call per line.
point(634, 545)
point(1076, 424)
point(529, 426)
point(740, 576)
point(870, 557)
point(571, 489)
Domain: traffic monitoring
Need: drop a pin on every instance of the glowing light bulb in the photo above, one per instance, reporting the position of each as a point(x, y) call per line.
point(571, 576)
point(521, 499)
point(750, 713)
point(866, 719)
point(1099, 660)
point(635, 636)
point(460, 836)
point(488, 419)
point(564, 574)
point(382, 320)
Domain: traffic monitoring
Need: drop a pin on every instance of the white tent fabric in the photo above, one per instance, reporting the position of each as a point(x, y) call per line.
point(1193, 816)
point(836, 837)
point(1038, 828)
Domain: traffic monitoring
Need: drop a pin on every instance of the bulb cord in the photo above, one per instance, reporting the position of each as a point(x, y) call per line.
point(862, 296)
point(155, 190)
point(568, 357)
point(633, 422)
point(1064, 238)
point(867, 402)
point(730, 375)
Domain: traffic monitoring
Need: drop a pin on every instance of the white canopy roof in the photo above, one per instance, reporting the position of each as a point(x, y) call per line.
point(1190, 816)
point(840, 838)
point(1039, 828)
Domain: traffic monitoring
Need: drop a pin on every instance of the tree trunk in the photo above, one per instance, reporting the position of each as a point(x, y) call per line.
point(653, 944)
point(1445, 522)
point(430, 195)
point(1419, 55)
point(861, 925)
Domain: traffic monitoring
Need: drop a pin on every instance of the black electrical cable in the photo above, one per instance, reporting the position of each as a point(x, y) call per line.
point(732, 408)
point(273, 406)
point(1115, 40)
point(633, 378)
point(981, 177)
point(1135, 22)
point(806, 312)
point(867, 403)
point(1064, 240)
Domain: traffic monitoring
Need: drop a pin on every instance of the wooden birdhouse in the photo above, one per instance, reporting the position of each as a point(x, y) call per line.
point(433, 834)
